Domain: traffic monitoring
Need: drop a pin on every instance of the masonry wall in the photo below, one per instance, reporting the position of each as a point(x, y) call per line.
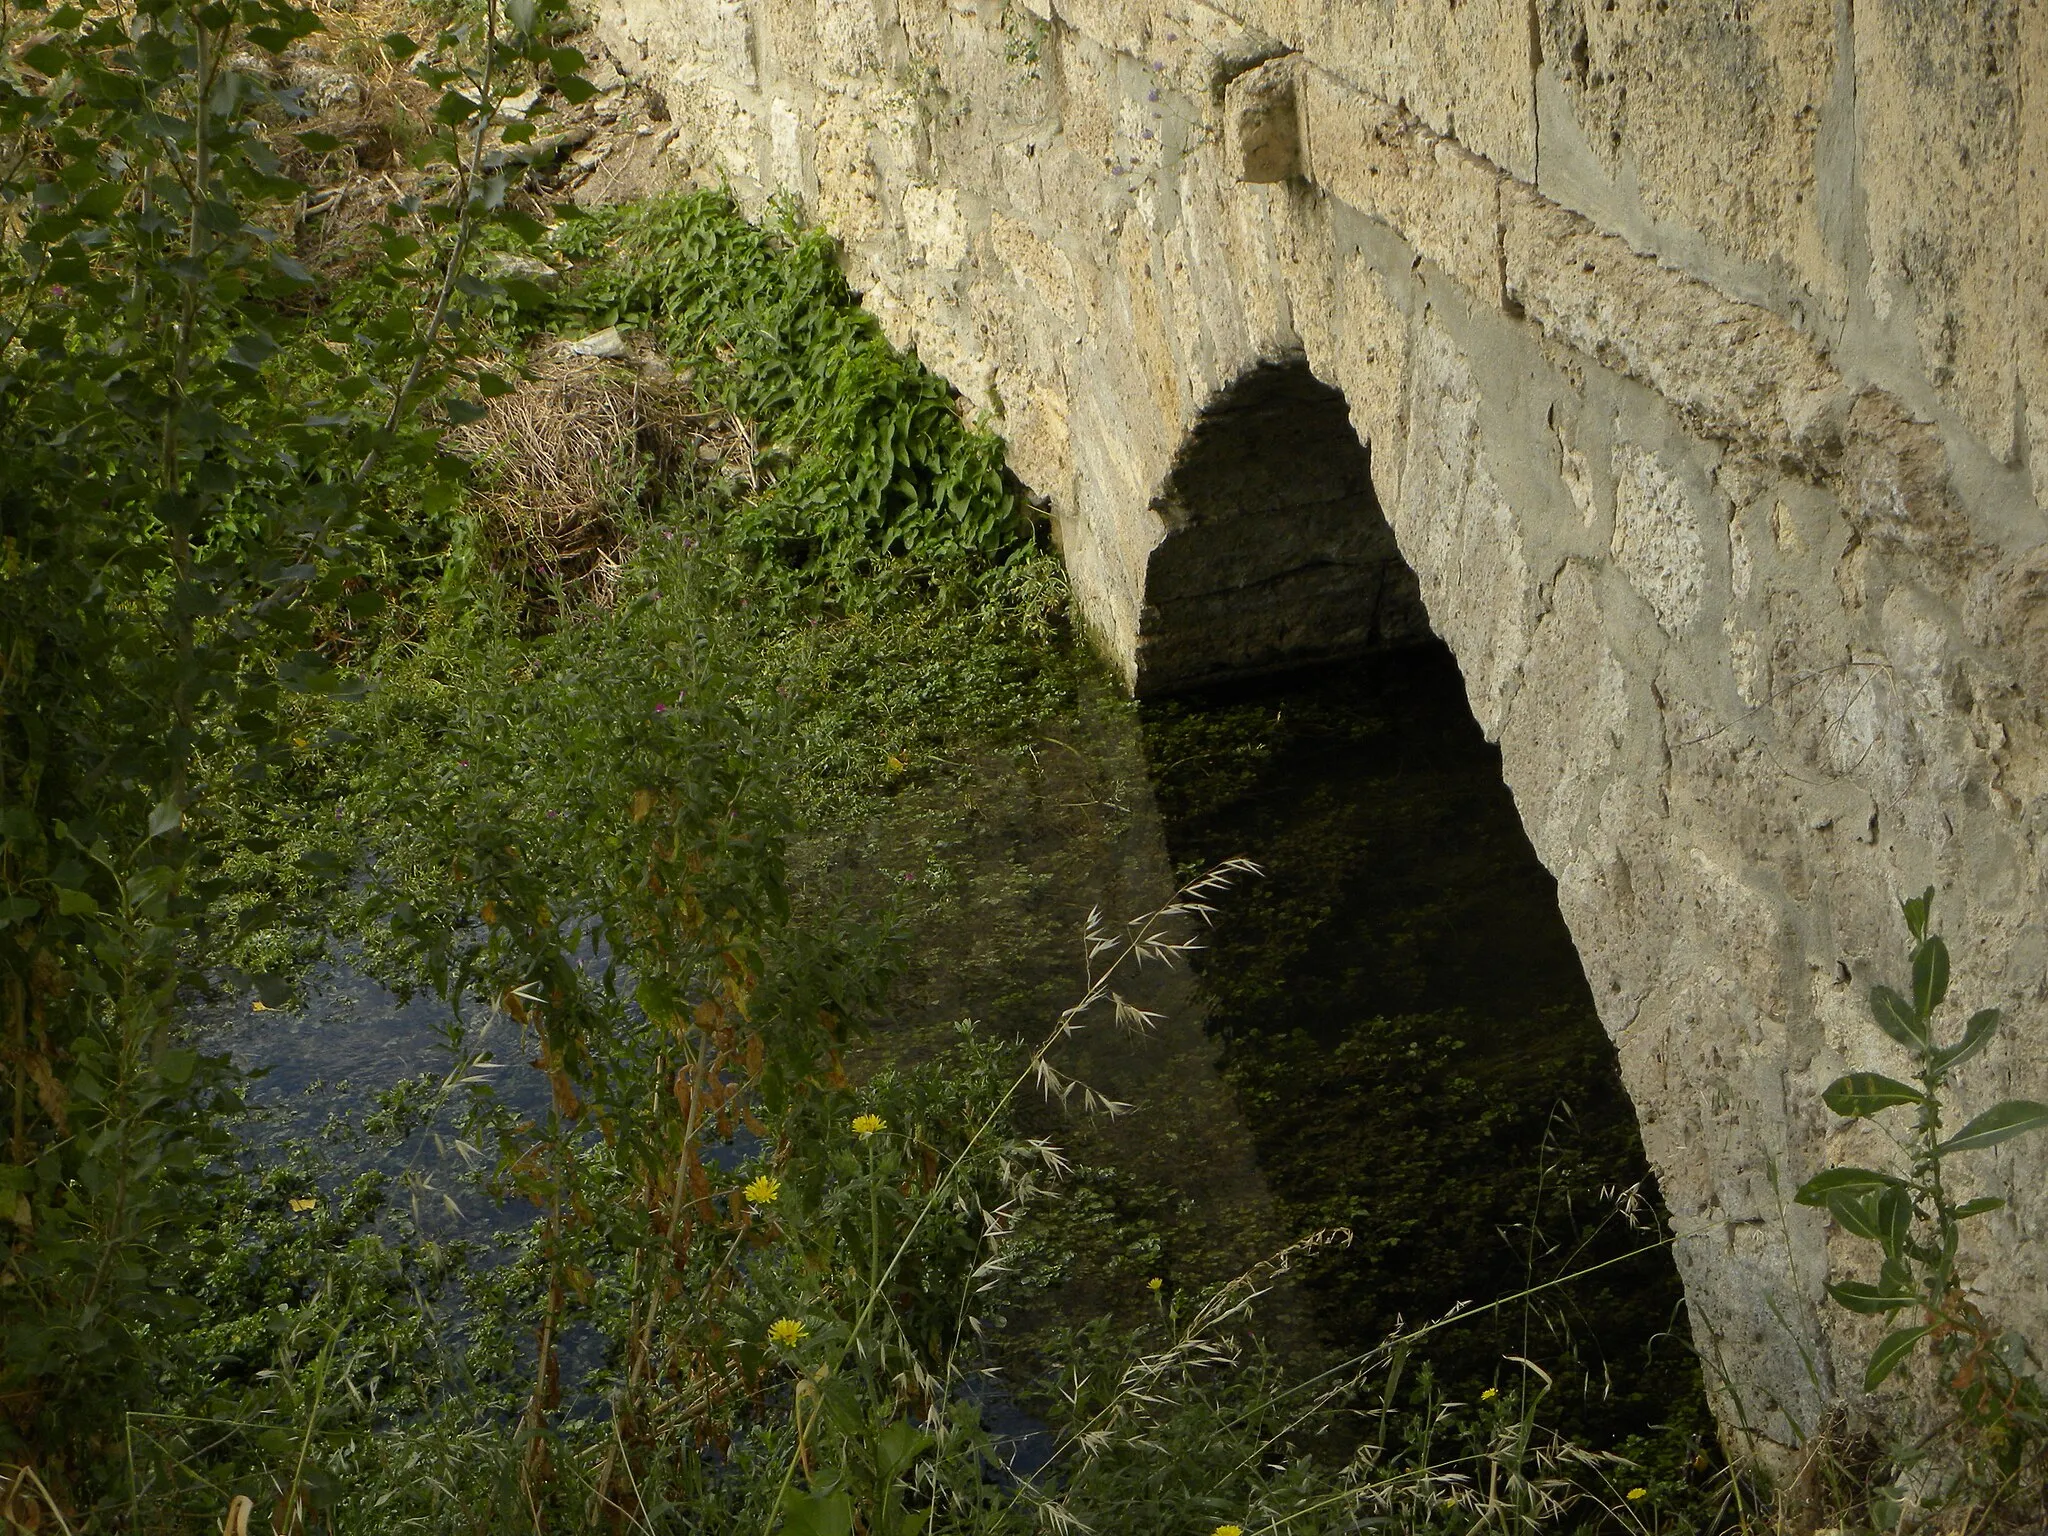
point(1699, 351)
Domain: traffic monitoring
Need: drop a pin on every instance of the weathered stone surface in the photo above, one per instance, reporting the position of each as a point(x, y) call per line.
point(1937, 114)
point(1694, 361)
point(1706, 119)
point(1262, 125)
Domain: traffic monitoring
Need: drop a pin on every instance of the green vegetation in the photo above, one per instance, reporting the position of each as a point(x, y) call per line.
point(2000, 1417)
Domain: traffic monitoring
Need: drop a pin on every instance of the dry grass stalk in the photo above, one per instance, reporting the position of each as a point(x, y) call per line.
point(571, 450)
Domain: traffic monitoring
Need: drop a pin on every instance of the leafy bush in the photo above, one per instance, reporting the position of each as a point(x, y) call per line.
point(883, 478)
point(178, 532)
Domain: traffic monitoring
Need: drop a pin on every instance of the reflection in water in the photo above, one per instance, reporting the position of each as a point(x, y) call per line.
point(1410, 1035)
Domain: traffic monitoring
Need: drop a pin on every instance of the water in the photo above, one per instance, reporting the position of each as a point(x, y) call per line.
point(1410, 1036)
point(1390, 1031)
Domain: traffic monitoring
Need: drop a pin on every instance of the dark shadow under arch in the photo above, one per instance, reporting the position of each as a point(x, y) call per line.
point(1276, 551)
point(1401, 1009)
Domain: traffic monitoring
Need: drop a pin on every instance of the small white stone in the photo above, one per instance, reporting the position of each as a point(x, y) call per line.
point(606, 343)
point(526, 269)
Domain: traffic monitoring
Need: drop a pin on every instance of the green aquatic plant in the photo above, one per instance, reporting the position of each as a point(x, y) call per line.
point(1916, 1221)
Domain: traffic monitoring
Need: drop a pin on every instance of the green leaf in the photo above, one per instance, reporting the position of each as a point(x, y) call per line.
point(1891, 1353)
point(46, 59)
point(524, 225)
point(1976, 1035)
point(77, 904)
point(522, 14)
point(2001, 1122)
point(454, 109)
point(1978, 1207)
point(817, 1514)
point(575, 89)
point(1930, 975)
point(14, 908)
point(1894, 1221)
point(318, 142)
point(1895, 1016)
point(1856, 1214)
point(1917, 909)
point(1868, 1299)
point(165, 818)
point(1862, 1094)
point(1816, 1190)
point(252, 349)
point(898, 1445)
point(399, 46)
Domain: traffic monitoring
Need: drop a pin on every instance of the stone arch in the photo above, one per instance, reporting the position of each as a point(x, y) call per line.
point(1276, 552)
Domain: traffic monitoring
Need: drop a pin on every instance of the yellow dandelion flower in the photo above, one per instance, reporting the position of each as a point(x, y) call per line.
point(1489, 1394)
point(1154, 1283)
point(1638, 1493)
point(763, 1190)
point(305, 1205)
point(1228, 1530)
point(786, 1331)
point(867, 1125)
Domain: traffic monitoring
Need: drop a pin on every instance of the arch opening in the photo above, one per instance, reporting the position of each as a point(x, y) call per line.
point(1400, 1007)
point(1276, 552)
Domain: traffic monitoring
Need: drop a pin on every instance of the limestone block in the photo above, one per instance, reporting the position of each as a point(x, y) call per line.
point(1151, 352)
point(1732, 369)
point(2031, 270)
point(719, 128)
point(1261, 133)
point(848, 180)
point(934, 227)
point(1656, 537)
point(849, 39)
point(1444, 202)
point(1457, 531)
point(729, 43)
point(785, 148)
point(1938, 138)
point(1465, 68)
point(1039, 265)
point(1712, 115)
point(1371, 366)
point(1570, 671)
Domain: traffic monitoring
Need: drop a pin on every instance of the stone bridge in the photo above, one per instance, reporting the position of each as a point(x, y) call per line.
point(1681, 364)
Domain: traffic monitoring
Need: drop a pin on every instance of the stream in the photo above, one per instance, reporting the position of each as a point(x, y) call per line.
point(1388, 1032)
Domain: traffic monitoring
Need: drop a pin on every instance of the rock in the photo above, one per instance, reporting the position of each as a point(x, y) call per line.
point(605, 343)
point(525, 269)
point(322, 88)
point(1262, 126)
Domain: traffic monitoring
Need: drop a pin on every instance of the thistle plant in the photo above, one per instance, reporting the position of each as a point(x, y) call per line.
point(1915, 1218)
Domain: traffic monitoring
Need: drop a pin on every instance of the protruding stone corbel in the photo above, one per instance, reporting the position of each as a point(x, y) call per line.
point(1262, 123)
